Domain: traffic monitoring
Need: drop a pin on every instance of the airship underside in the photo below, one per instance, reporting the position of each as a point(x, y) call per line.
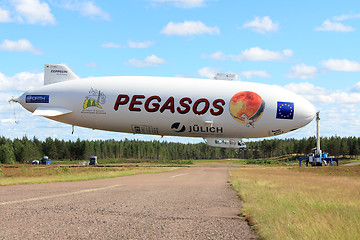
point(211, 109)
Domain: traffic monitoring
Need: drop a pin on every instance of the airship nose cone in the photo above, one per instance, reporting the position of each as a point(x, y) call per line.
point(305, 112)
point(21, 99)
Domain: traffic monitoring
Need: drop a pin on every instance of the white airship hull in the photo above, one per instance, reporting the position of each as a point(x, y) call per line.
point(169, 106)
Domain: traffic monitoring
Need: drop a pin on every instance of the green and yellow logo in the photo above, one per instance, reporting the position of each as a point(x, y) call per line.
point(91, 103)
point(94, 99)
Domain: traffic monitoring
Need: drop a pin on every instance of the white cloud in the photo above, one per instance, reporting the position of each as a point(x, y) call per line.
point(322, 96)
point(327, 25)
point(305, 88)
point(145, 44)
point(189, 28)
point(346, 17)
point(258, 54)
point(258, 73)
point(356, 87)
point(342, 119)
point(4, 98)
point(22, 45)
point(131, 44)
point(207, 72)
point(302, 71)
point(21, 81)
point(33, 11)
point(216, 56)
point(7, 120)
point(342, 65)
point(252, 54)
point(4, 16)
point(339, 97)
point(111, 45)
point(152, 60)
point(183, 3)
point(86, 8)
point(262, 25)
point(9, 111)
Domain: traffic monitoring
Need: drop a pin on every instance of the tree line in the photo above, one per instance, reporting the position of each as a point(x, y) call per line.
point(25, 150)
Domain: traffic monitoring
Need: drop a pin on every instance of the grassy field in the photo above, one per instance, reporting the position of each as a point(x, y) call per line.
point(24, 174)
point(280, 160)
point(217, 163)
point(300, 203)
point(126, 160)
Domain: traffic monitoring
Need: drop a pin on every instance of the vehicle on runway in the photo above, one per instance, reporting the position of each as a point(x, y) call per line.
point(220, 111)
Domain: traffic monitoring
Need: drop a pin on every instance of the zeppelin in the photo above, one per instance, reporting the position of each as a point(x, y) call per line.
point(220, 111)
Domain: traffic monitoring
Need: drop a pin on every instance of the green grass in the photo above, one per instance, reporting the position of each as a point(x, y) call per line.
point(125, 160)
point(285, 203)
point(281, 160)
point(26, 174)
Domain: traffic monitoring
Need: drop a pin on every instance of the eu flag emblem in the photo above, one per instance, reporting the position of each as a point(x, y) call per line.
point(285, 110)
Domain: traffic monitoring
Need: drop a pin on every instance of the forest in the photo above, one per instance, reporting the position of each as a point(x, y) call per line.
point(25, 150)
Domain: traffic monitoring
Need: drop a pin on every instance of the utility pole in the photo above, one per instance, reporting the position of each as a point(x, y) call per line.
point(318, 151)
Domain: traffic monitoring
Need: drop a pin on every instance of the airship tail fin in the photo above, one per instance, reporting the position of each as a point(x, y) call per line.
point(54, 73)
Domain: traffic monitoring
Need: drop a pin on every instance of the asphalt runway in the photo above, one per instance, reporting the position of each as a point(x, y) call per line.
point(192, 203)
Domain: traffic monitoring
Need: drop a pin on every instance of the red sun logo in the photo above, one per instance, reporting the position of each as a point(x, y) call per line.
point(246, 107)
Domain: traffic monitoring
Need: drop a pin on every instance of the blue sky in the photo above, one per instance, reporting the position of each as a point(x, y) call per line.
point(309, 47)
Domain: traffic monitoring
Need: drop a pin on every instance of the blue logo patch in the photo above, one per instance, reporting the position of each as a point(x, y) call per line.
point(285, 110)
point(37, 99)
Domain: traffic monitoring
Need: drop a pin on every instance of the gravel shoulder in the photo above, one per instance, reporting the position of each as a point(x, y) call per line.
point(352, 164)
point(192, 203)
